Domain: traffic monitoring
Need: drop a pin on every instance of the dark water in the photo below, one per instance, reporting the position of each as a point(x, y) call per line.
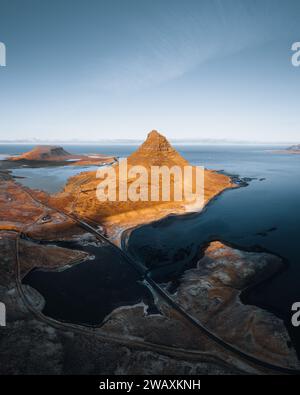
point(52, 179)
point(86, 293)
point(264, 214)
point(48, 179)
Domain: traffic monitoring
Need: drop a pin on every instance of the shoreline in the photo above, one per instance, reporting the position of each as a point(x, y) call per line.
point(125, 233)
point(116, 233)
point(131, 307)
point(262, 279)
point(206, 205)
point(292, 152)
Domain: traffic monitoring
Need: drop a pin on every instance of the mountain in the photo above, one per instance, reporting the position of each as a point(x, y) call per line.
point(44, 152)
point(294, 148)
point(80, 193)
point(54, 153)
point(156, 151)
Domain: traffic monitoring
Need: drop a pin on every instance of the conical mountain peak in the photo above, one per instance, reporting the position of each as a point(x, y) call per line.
point(156, 150)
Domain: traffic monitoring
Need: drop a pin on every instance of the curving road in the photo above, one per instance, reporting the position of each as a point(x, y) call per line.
point(160, 291)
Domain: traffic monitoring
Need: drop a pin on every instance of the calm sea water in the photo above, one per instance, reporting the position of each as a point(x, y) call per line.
point(88, 292)
point(52, 179)
point(119, 150)
point(264, 214)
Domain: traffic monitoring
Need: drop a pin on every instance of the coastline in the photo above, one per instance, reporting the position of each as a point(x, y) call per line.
point(209, 201)
point(292, 152)
point(146, 216)
point(124, 234)
point(263, 277)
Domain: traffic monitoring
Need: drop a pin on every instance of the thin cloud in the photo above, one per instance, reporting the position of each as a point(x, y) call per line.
point(180, 39)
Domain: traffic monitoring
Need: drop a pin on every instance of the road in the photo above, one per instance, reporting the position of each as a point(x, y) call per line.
point(160, 291)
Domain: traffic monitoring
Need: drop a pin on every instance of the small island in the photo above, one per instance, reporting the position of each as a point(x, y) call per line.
point(294, 149)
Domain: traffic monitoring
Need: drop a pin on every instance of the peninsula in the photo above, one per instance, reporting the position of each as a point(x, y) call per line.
point(44, 155)
point(79, 195)
point(165, 342)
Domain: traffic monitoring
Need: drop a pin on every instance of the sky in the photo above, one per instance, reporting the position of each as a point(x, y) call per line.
point(116, 69)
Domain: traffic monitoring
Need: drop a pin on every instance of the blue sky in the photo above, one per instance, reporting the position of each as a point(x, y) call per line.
point(104, 69)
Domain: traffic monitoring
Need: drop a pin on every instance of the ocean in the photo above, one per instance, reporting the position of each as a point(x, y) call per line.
point(265, 214)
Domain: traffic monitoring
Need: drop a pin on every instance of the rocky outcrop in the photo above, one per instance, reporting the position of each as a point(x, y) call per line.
point(211, 293)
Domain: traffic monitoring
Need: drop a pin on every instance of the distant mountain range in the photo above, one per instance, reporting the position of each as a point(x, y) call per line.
point(294, 148)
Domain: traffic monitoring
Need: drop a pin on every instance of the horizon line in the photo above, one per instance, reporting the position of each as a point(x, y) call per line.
point(123, 141)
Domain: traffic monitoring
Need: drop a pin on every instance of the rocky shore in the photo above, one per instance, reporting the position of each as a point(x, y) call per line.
point(131, 340)
point(293, 149)
point(211, 293)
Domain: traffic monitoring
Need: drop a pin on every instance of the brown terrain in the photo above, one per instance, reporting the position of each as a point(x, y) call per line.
point(79, 195)
point(134, 342)
point(211, 292)
point(293, 149)
point(48, 153)
point(20, 206)
point(130, 341)
point(20, 212)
